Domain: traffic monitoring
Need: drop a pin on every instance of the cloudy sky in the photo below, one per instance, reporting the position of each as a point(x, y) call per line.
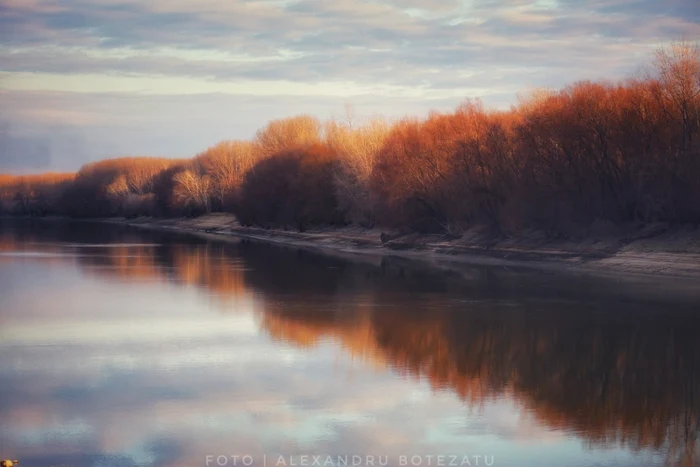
point(82, 80)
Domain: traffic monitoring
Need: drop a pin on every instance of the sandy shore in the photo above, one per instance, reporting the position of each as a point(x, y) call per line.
point(652, 252)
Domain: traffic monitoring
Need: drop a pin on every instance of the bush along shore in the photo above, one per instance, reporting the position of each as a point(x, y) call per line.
point(595, 163)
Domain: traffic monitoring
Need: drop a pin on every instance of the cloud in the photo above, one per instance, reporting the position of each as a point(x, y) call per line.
point(314, 41)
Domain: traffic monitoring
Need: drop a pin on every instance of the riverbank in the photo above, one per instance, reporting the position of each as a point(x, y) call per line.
point(653, 251)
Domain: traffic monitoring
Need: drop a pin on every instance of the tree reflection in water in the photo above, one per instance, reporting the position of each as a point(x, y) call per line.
point(607, 362)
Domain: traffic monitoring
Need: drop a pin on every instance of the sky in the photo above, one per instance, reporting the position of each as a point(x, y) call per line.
point(86, 80)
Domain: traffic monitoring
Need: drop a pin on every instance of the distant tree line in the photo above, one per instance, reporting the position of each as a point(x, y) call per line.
point(558, 161)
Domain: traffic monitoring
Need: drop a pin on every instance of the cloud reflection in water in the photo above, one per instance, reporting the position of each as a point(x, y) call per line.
point(158, 350)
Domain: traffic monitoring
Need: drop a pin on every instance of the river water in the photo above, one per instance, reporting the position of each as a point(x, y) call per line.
point(125, 347)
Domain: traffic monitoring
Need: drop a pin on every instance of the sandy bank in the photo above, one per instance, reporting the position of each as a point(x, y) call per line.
point(655, 251)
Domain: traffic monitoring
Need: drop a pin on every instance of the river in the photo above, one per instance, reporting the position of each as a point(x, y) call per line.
point(126, 347)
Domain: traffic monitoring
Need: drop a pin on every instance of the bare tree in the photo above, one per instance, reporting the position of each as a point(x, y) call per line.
point(678, 69)
point(357, 149)
point(227, 163)
point(193, 189)
point(119, 187)
point(287, 134)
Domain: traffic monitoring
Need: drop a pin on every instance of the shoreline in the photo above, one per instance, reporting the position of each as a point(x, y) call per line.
point(656, 253)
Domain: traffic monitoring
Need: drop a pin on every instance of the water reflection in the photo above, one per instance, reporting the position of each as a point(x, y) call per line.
point(580, 359)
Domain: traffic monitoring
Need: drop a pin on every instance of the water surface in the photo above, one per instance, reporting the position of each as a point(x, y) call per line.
point(123, 347)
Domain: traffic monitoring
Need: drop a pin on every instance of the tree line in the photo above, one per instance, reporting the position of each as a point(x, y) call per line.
point(559, 161)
